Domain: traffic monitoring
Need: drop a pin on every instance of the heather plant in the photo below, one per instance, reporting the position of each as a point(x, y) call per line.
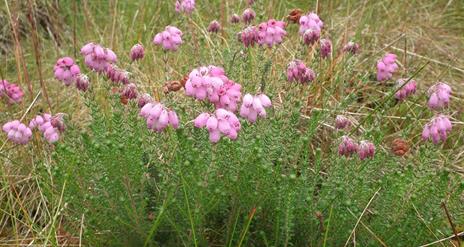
point(222, 142)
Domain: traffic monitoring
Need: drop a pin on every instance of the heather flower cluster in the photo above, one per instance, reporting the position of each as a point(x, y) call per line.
point(249, 36)
point(220, 123)
point(17, 132)
point(185, 6)
point(406, 89)
point(297, 71)
point(439, 94)
point(348, 147)
point(214, 27)
point(137, 52)
point(66, 70)
point(254, 106)
point(271, 32)
point(437, 129)
point(248, 15)
point(97, 57)
point(352, 47)
point(342, 122)
point(158, 117)
point(11, 91)
point(326, 48)
point(50, 126)
point(117, 75)
point(212, 84)
point(129, 91)
point(386, 67)
point(170, 38)
point(366, 150)
point(235, 18)
point(310, 28)
point(82, 82)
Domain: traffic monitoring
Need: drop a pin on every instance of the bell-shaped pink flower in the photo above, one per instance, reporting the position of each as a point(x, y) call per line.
point(437, 129)
point(248, 15)
point(50, 126)
point(347, 147)
point(66, 70)
point(326, 48)
point(144, 99)
point(342, 122)
point(10, 91)
point(439, 95)
point(405, 90)
point(214, 27)
point(137, 52)
point(310, 28)
point(210, 83)
point(386, 67)
point(97, 57)
point(366, 149)
point(17, 132)
point(254, 107)
point(117, 75)
point(249, 36)
point(271, 32)
point(158, 117)
point(352, 48)
point(221, 123)
point(82, 82)
point(129, 91)
point(185, 6)
point(297, 71)
point(170, 38)
point(235, 18)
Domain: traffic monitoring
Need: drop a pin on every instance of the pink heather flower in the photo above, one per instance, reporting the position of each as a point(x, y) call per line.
point(310, 28)
point(406, 90)
point(351, 47)
point(235, 18)
point(11, 91)
point(297, 71)
point(158, 117)
point(17, 132)
point(342, 122)
point(271, 32)
point(249, 36)
point(326, 48)
point(82, 82)
point(117, 75)
point(212, 84)
point(437, 129)
point(439, 94)
point(144, 99)
point(170, 38)
point(214, 27)
point(386, 67)
point(366, 150)
point(97, 58)
point(347, 147)
point(221, 123)
point(50, 126)
point(185, 6)
point(137, 52)
point(253, 106)
point(129, 91)
point(248, 16)
point(66, 70)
